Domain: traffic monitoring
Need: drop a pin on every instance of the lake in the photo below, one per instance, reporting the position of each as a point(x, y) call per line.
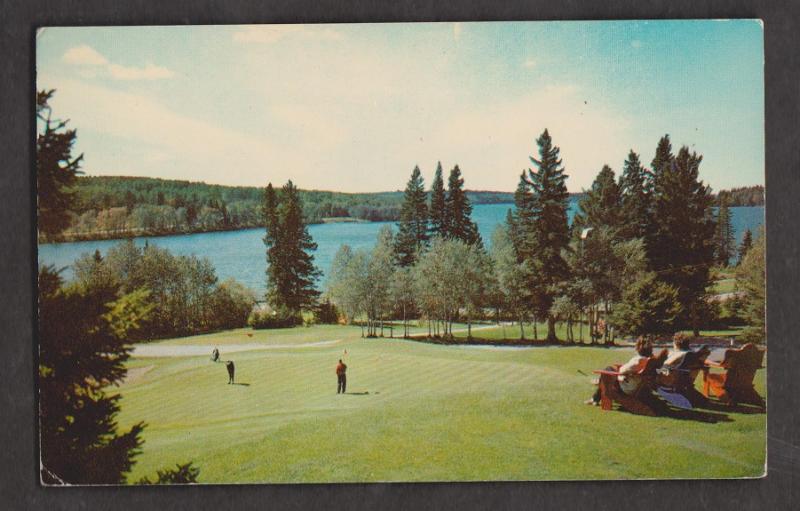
point(241, 255)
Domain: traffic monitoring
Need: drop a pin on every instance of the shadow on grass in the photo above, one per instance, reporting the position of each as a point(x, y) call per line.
point(365, 393)
point(742, 408)
point(696, 415)
point(242, 384)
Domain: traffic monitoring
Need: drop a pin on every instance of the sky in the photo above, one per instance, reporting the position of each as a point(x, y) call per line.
point(354, 107)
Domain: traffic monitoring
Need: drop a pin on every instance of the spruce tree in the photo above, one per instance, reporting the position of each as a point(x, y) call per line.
point(601, 206)
point(542, 228)
point(661, 162)
point(412, 233)
point(681, 248)
point(635, 201)
point(291, 275)
point(56, 169)
point(301, 274)
point(271, 224)
point(458, 211)
point(744, 248)
point(725, 243)
point(438, 210)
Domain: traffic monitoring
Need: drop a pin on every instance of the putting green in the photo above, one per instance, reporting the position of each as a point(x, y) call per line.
point(413, 412)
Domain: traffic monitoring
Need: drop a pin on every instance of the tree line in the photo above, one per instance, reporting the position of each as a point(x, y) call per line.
point(110, 207)
point(637, 258)
point(743, 196)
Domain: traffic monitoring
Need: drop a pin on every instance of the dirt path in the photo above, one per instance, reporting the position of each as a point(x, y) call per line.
point(200, 350)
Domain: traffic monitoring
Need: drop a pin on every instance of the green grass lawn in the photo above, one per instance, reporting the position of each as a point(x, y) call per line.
point(414, 412)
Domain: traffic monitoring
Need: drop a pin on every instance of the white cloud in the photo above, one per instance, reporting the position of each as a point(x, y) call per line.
point(91, 60)
point(268, 34)
point(163, 142)
point(84, 55)
point(529, 64)
point(636, 43)
point(148, 72)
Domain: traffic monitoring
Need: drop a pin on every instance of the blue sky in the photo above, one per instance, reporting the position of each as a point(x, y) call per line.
point(355, 107)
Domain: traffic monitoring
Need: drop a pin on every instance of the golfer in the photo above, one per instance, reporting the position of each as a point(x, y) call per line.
point(341, 377)
point(229, 366)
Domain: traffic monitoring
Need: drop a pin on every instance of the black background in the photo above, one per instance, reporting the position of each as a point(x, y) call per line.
point(19, 487)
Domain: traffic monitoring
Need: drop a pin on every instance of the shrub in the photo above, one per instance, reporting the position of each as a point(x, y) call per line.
point(326, 313)
point(268, 318)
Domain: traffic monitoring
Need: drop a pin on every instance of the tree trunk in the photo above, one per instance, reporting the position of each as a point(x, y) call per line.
point(535, 330)
point(551, 329)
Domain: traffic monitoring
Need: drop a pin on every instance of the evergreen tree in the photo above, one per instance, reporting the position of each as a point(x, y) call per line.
point(291, 275)
point(82, 350)
point(274, 266)
point(681, 247)
point(751, 281)
point(661, 162)
point(300, 292)
point(541, 227)
point(56, 169)
point(725, 243)
point(458, 211)
point(412, 233)
point(647, 306)
point(601, 206)
point(635, 202)
point(744, 248)
point(438, 210)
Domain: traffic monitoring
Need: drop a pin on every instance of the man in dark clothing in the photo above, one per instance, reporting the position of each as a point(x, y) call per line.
point(215, 355)
point(230, 368)
point(341, 369)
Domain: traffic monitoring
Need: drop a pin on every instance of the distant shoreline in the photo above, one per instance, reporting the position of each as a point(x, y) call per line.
point(122, 235)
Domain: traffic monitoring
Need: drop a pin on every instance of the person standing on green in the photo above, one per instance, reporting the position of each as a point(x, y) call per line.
point(341, 370)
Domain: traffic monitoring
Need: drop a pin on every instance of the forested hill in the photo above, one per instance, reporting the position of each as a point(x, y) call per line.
point(745, 196)
point(114, 207)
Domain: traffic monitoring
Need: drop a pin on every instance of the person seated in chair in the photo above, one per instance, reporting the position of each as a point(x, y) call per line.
point(680, 344)
point(628, 379)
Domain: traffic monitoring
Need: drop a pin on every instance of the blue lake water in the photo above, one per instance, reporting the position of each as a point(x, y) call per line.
point(241, 255)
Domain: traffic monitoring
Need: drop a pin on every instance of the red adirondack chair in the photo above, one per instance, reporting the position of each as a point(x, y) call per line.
point(676, 384)
point(641, 401)
point(735, 385)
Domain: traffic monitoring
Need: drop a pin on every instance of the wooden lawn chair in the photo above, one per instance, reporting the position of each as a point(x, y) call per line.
point(735, 385)
point(641, 401)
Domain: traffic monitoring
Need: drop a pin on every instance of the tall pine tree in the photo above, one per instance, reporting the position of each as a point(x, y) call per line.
point(541, 228)
point(291, 276)
point(635, 201)
point(601, 206)
point(271, 224)
point(681, 247)
point(459, 224)
point(438, 210)
point(412, 233)
point(725, 242)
